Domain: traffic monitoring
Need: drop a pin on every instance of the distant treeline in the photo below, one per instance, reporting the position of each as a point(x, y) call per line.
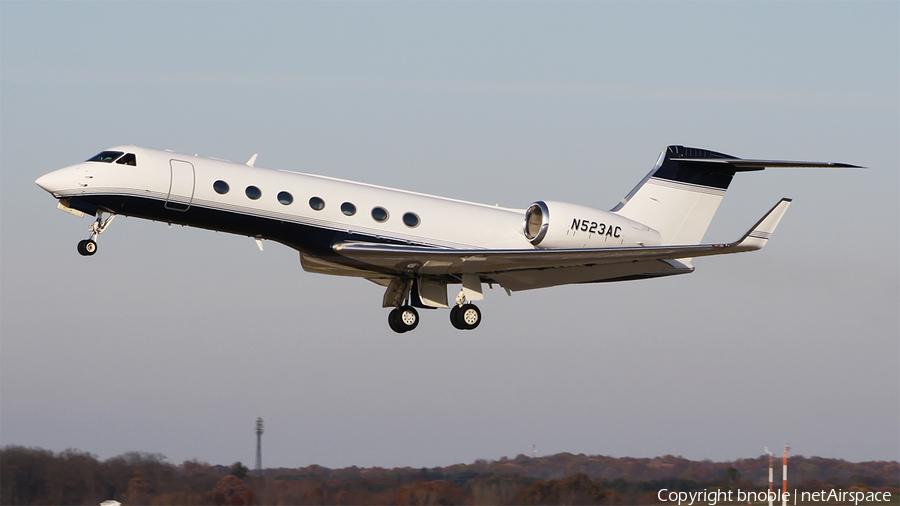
point(37, 476)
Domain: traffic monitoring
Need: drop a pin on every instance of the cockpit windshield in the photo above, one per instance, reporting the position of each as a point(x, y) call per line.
point(115, 156)
point(128, 159)
point(106, 156)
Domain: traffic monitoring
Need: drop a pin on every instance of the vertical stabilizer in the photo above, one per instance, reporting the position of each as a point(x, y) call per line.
point(680, 196)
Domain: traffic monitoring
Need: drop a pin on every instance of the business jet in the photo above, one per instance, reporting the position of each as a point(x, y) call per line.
point(416, 245)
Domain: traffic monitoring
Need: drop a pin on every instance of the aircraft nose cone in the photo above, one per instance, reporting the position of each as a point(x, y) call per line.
point(51, 182)
point(43, 181)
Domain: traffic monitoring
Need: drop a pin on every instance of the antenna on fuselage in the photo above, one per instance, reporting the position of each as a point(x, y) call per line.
point(252, 160)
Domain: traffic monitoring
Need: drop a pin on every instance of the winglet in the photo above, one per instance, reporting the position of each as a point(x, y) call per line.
point(252, 160)
point(757, 237)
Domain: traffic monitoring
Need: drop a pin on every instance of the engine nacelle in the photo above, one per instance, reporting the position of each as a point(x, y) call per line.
point(575, 226)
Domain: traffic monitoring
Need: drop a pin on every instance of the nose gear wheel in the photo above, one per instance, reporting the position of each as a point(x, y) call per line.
point(88, 247)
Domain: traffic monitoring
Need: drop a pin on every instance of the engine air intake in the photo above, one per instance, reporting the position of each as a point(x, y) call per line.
point(537, 219)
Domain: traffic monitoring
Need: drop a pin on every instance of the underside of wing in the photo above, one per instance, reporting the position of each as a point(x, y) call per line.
point(537, 268)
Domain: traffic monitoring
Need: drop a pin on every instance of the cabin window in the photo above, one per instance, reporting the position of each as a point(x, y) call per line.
point(253, 192)
point(285, 198)
point(221, 187)
point(106, 156)
point(316, 203)
point(411, 220)
point(128, 159)
point(380, 214)
point(348, 208)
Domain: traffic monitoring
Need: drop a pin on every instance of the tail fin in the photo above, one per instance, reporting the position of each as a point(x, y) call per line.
point(680, 196)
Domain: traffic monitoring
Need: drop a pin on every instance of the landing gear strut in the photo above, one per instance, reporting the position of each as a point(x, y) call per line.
point(88, 247)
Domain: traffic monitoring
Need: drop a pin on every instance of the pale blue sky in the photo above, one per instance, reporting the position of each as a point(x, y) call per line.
point(175, 340)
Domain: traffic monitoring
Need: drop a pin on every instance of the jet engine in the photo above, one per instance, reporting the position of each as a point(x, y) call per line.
point(563, 225)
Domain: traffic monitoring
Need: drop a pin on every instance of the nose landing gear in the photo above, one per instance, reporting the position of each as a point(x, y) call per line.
point(88, 247)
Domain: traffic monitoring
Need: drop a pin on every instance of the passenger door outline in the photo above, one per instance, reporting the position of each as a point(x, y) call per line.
point(181, 185)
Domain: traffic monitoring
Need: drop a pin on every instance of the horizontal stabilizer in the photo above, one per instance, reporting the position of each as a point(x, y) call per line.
point(742, 165)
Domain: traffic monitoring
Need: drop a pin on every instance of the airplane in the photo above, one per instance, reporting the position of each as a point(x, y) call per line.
point(416, 245)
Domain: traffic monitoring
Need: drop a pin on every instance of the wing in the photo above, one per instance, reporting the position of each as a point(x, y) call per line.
point(537, 268)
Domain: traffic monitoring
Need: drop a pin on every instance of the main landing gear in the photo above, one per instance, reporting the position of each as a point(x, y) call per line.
point(406, 318)
point(403, 319)
point(463, 316)
point(404, 293)
point(88, 247)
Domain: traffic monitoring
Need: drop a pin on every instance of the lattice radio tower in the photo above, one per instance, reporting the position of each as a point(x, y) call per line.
point(259, 433)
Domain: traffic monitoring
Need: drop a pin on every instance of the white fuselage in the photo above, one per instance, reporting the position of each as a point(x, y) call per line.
point(173, 187)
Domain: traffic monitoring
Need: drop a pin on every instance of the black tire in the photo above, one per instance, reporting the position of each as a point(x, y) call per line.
point(468, 316)
point(87, 247)
point(403, 319)
point(454, 318)
point(394, 321)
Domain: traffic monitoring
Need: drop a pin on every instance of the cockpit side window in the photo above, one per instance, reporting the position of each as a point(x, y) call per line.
point(106, 156)
point(128, 159)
